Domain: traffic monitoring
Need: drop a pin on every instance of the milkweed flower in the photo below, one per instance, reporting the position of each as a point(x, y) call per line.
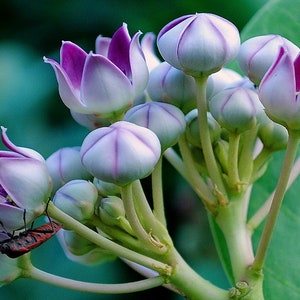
point(236, 109)
point(170, 85)
point(165, 120)
point(279, 90)
point(65, 165)
point(257, 54)
point(199, 44)
point(77, 198)
point(105, 83)
point(120, 153)
point(25, 185)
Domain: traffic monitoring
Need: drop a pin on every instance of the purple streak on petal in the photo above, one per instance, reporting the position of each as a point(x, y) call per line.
point(18, 152)
point(118, 51)
point(72, 59)
point(172, 24)
point(3, 193)
point(297, 72)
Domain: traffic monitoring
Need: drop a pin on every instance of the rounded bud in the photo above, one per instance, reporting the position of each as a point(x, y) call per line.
point(257, 54)
point(106, 188)
point(111, 209)
point(170, 85)
point(77, 198)
point(273, 135)
point(65, 165)
point(81, 250)
point(120, 153)
point(192, 130)
point(236, 109)
point(199, 44)
point(165, 120)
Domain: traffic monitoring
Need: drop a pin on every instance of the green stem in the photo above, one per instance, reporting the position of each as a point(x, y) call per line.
point(208, 153)
point(282, 184)
point(99, 240)
point(98, 288)
point(192, 285)
point(247, 143)
point(233, 152)
point(263, 211)
point(195, 180)
point(148, 238)
point(232, 222)
point(157, 193)
point(175, 160)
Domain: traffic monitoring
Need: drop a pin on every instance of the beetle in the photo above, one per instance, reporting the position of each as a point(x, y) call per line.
point(29, 239)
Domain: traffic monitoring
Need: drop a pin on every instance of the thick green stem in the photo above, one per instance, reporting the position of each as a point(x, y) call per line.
point(232, 221)
point(282, 184)
point(192, 285)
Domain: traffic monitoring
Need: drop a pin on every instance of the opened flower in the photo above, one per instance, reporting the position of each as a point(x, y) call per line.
point(106, 83)
point(25, 185)
point(279, 90)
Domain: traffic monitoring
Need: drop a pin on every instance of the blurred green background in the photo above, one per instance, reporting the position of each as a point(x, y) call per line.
point(31, 109)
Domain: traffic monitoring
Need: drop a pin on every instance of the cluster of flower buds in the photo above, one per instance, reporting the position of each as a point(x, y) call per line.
point(137, 107)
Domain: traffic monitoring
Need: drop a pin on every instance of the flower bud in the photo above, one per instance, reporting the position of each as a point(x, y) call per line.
point(274, 136)
point(258, 54)
point(236, 109)
point(111, 209)
point(279, 91)
point(120, 153)
point(221, 148)
point(147, 44)
point(81, 250)
point(225, 78)
point(199, 44)
point(65, 165)
point(165, 120)
point(77, 198)
point(192, 130)
point(170, 85)
point(106, 188)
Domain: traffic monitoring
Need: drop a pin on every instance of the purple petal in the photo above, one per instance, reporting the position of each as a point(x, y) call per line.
point(102, 45)
point(26, 181)
point(277, 88)
point(12, 217)
point(17, 151)
point(104, 87)
point(118, 51)
point(139, 69)
point(172, 24)
point(69, 95)
point(72, 60)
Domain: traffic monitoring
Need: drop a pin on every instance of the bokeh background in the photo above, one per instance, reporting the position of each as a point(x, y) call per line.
point(31, 109)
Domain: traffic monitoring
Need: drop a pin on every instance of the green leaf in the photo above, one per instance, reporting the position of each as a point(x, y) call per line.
point(281, 271)
point(276, 17)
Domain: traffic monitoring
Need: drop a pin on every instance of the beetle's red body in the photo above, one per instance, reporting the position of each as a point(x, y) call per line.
point(28, 240)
